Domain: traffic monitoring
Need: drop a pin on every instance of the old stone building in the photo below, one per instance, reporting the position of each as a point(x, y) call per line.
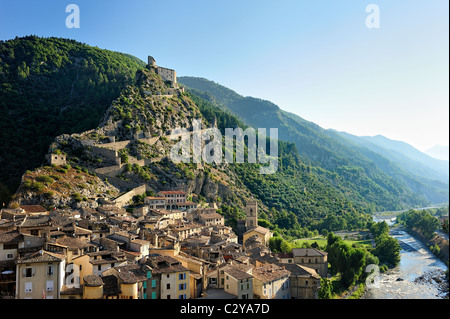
point(167, 75)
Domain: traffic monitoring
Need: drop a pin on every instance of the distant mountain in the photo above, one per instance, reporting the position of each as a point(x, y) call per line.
point(439, 152)
point(368, 172)
point(405, 155)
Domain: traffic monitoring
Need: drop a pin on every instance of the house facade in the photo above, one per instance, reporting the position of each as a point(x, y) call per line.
point(40, 276)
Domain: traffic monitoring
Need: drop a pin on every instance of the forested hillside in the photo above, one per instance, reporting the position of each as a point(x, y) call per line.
point(51, 86)
point(368, 176)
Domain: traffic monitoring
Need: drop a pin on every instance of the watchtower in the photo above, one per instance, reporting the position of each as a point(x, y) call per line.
point(251, 212)
point(151, 61)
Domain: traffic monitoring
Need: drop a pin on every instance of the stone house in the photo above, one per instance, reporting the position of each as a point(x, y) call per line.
point(155, 202)
point(260, 232)
point(40, 275)
point(211, 219)
point(238, 283)
point(304, 282)
point(312, 258)
point(173, 277)
point(106, 259)
point(56, 159)
point(271, 282)
point(132, 280)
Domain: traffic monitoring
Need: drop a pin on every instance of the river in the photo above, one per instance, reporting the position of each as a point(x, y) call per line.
point(413, 277)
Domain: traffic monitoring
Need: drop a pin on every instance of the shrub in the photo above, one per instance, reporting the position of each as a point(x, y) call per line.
point(45, 179)
point(77, 197)
point(49, 194)
point(36, 186)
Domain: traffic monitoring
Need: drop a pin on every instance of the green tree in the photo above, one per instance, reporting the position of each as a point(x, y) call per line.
point(326, 289)
point(387, 250)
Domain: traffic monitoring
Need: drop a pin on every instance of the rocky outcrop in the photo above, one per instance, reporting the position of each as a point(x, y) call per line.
point(62, 187)
point(131, 147)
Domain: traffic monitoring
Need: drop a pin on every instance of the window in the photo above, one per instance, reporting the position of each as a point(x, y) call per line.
point(28, 272)
point(153, 295)
point(182, 287)
point(183, 296)
point(182, 276)
point(168, 286)
point(49, 285)
point(28, 287)
point(99, 267)
point(9, 256)
point(50, 270)
point(153, 283)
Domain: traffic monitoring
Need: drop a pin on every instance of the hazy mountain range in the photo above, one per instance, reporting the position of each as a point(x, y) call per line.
point(439, 151)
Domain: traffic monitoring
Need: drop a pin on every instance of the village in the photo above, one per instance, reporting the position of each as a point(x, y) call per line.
point(168, 248)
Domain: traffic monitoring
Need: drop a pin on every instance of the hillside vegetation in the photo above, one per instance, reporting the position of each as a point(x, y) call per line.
point(89, 103)
point(368, 176)
point(51, 86)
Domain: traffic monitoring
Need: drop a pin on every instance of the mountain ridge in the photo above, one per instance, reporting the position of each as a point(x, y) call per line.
point(319, 146)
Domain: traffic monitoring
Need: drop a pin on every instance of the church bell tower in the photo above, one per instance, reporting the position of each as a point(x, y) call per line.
point(251, 212)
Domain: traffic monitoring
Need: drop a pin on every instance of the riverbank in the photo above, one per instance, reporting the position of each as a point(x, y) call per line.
point(420, 275)
point(437, 240)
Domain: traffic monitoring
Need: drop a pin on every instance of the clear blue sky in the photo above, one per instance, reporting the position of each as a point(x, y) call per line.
point(315, 58)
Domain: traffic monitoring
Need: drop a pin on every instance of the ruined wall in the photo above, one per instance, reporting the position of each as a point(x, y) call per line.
point(125, 198)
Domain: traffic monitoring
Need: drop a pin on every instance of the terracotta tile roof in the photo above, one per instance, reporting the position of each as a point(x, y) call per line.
point(73, 243)
point(165, 264)
point(131, 274)
point(269, 273)
point(33, 208)
point(41, 256)
point(259, 229)
point(93, 280)
point(299, 270)
point(308, 252)
point(33, 221)
point(12, 236)
point(237, 274)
